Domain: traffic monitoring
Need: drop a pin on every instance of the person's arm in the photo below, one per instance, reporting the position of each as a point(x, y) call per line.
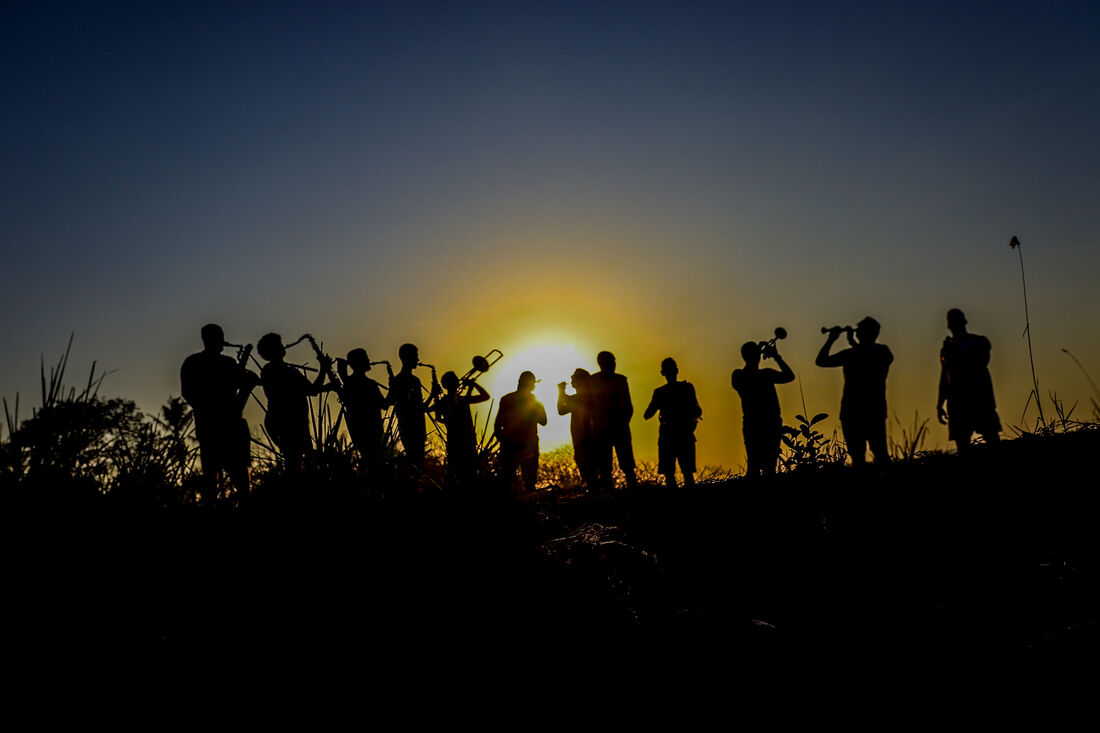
point(540, 413)
point(785, 374)
point(187, 390)
point(481, 396)
point(652, 409)
point(941, 394)
point(318, 385)
point(824, 358)
point(696, 410)
point(498, 422)
point(628, 407)
point(564, 402)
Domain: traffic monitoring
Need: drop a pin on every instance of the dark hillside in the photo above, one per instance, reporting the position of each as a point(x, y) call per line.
point(940, 559)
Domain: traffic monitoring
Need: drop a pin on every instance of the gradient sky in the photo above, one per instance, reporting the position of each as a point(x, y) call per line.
point(651, 178)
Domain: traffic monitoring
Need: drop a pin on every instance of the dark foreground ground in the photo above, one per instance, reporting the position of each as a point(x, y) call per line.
point(936, 563)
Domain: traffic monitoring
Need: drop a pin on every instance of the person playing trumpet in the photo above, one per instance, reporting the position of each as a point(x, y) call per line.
point(453, 410)
point(406, 397)
point(364, 405)
point(578, 407)
point(863, 402)
point(762, 421)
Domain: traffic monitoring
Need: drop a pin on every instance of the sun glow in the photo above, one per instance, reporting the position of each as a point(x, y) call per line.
point(552, 361)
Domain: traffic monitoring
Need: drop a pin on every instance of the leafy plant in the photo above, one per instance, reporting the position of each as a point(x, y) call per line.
point(804, 447)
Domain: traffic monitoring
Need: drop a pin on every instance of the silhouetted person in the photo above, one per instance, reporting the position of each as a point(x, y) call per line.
point(364, 405)
point(580, 423)
point(761, 421)
point(516, 428)
point(453, 409)
point(965, 385)
point(217, 387)
point(863, 403)
point(406, 396)
point(288, 392)
point(611, 413)
point(679, 413)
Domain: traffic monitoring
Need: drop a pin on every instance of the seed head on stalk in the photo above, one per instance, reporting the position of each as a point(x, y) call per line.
point(1014, 243)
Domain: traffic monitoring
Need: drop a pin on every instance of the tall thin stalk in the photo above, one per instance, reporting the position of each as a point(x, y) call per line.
point(1015, 244)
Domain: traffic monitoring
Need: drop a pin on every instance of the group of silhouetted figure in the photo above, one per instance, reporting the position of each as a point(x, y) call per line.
point(218, 387)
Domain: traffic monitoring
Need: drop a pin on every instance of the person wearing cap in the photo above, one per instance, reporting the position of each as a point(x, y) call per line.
point(580, 424)
point(679, 414)
point(863, 402)
point(363, 407)
point(966, 389)
point(762, 421)
point(610, 415)
point(516, 428)
point(216, 387)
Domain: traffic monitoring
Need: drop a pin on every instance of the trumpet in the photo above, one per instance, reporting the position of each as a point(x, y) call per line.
point(845, 329)
point(780, 333)
point(481, 365)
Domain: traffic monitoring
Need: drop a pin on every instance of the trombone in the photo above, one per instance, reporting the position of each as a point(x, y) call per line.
point(481, 365)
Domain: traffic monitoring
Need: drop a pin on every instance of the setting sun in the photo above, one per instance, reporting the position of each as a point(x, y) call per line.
point(552, 361)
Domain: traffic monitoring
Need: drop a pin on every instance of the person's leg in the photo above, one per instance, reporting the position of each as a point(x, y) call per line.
point(770, 450)
point(876, 438)
point(600, 453)
point(529, 467)
point(752, 452)
point(666, 460)
point(624, 451)
point(211, 470)
point(686, 459)
point(855, 439)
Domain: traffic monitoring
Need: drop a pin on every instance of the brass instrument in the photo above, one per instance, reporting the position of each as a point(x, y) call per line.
point(780, 333)
point(845, 329)
point(243, 393)
point(323, 360)
point(301, 338)
point(481, 365)
point(389, 368)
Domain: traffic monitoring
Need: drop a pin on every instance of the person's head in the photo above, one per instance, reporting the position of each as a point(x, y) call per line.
point(750, 352)
point(606, 361)
point(956, 320)
point(867, 330)
point(526, 382)
point(449, 381)
point(580, 379)
point(669, 369)
point(409, 355)
point(213, 338)
point(270, 347)
point(358, 360)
